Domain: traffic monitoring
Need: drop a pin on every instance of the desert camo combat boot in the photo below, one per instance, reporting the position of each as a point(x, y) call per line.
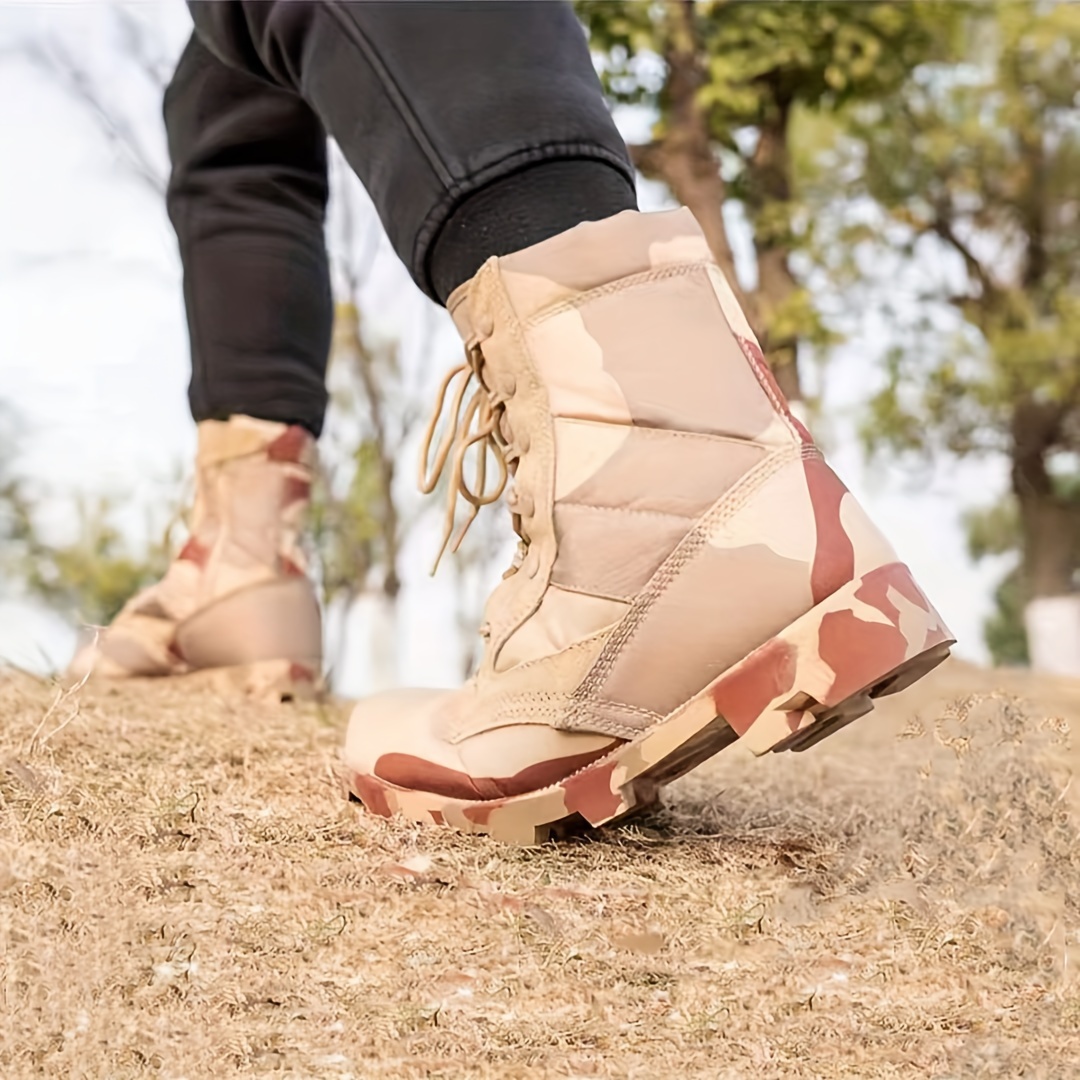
point(236, 601)
point(690, 572)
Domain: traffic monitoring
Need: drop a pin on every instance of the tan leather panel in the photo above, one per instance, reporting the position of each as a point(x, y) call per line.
point(610, 552)
point(562, 619)
point(663, 471)
point(723, 604)
point(271, 621)
point(597, 252)
point(669, 349)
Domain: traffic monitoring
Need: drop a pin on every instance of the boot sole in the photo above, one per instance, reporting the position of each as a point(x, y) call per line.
point(263, 681)
point(874, 637)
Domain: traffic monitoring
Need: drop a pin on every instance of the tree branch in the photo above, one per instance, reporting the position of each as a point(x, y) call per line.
point(943, 228)
point(57, 62)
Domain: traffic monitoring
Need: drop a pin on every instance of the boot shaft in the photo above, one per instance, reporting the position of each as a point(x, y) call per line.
point(252, 491)
point(635, 395)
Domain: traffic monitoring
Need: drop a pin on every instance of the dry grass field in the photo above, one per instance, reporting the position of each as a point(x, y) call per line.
point(184, 893)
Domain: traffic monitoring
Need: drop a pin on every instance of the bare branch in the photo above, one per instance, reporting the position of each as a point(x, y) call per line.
point(57, 61)
point(942, 227)
point(141, 46)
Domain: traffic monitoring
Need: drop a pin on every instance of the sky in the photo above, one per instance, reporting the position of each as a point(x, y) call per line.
point(93, 355)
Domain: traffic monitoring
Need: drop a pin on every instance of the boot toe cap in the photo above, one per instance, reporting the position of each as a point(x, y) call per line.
point(401, 739)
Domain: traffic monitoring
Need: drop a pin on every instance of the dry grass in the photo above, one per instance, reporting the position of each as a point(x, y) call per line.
point(183, 893)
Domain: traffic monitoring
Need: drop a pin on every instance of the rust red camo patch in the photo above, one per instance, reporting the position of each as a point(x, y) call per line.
point(480, 813)
point(300, 673)
point(752, 352)
point(874, 590)
point(905, 585)
point(834, 555)
point(296, 489)
point(744, 693)
point(589, 793)
point(289, 445)
point(859, 653)
point(371, 794)
point(417, 774)
point(194, 551)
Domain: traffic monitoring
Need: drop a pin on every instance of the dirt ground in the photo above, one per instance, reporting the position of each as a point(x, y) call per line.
point(184, 893)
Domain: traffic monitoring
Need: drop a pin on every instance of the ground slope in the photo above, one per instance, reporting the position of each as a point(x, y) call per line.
point(184, 893)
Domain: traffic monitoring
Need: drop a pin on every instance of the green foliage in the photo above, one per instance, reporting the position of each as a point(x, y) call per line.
point(15, 515)
point(863, 142)
point(345, 524)
point(983, 159)
point(1003, 630)
point(356, 524)
point(993, 530)
point(762, 55)
point(764, 78)
point(91, 576)
point(97, 573)
point(980, 161)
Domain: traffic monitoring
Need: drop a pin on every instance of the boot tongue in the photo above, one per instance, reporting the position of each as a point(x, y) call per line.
point(597, 252)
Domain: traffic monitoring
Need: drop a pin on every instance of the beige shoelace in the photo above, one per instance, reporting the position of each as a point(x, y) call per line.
point(477, 424)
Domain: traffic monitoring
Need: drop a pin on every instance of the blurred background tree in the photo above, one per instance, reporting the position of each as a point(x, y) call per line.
point(735, 87)
point(89, 576)
point(862, 143)
point(980, 163)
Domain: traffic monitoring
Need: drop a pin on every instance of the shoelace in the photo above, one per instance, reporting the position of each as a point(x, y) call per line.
point(476, 425)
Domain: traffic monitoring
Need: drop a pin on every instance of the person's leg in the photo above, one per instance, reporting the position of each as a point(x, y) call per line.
point(247, 198)
point(478, 128)
point(691, 571)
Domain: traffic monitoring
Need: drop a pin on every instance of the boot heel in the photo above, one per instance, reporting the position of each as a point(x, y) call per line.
point(873, 637)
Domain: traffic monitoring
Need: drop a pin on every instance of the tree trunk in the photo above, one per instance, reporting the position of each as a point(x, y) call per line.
point(1050, 527)
point(684, 157)
point(1048, 522)
point(771, 171)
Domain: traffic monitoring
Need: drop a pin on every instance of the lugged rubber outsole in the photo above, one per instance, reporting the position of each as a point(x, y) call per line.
point(874, 637)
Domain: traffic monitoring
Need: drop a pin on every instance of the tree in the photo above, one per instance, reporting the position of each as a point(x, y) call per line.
point(93, 574)
point(731, 84)
point(979, 163)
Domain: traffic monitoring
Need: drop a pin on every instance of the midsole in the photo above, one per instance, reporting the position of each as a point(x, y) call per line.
point(853, 639)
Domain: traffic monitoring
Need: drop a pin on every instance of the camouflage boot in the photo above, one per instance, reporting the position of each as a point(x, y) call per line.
point(691, 571)
point(237, 600)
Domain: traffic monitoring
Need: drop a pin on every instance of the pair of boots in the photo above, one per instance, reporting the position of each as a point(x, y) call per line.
point(690, 571)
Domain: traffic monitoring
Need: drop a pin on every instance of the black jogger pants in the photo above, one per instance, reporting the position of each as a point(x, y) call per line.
point(477, 128)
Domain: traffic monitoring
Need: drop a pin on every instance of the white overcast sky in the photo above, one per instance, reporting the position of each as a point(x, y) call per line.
point(93, 351)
